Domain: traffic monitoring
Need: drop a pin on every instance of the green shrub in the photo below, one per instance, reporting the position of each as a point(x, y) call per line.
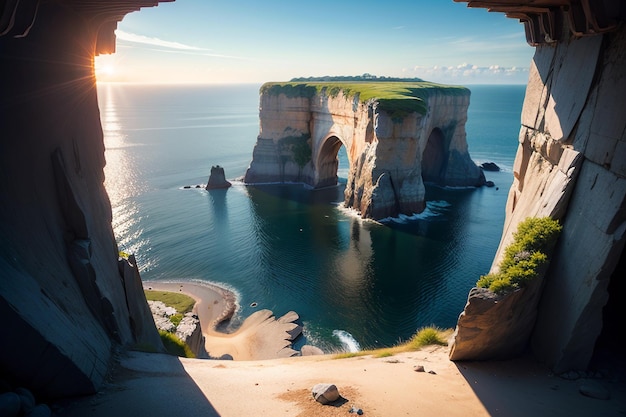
point(525, 257)
point(174, 346)
point(176, 319)
point(299, 146)
point(428, 336)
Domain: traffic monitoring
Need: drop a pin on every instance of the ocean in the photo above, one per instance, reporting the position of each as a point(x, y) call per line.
point(354, 283)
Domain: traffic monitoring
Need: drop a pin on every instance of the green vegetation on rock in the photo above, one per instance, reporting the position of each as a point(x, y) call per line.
point(397, 98)
point(174, 346)
point(525, 257)
point(300, 148)
point(181, 302)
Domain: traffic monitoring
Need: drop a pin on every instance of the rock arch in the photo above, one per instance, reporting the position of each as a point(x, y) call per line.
point(327, 161)
point(385, 149)
point(434, 156)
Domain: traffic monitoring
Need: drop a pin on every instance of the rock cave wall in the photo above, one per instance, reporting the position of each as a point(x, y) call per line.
point(65, 297)
point(571, 166)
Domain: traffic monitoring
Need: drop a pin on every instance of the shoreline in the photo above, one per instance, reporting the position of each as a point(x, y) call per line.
point(260, 336)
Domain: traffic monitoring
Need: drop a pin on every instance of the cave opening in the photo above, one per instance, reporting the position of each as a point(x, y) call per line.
point(434, 157)
point(332, 161)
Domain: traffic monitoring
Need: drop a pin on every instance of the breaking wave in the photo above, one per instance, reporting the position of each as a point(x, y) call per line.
point(348, 341)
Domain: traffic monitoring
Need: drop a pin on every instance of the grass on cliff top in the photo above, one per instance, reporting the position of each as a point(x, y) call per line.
point(396, 98)
point(425, 336)
point(181, 302)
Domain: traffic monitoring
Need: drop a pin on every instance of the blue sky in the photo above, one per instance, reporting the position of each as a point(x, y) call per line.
point(251, 41)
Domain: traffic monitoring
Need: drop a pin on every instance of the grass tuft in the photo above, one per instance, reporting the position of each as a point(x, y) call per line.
point(425, 336)
point(428, 336)
point(174, 346)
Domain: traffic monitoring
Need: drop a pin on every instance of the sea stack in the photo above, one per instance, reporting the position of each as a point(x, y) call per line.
point(217, 179)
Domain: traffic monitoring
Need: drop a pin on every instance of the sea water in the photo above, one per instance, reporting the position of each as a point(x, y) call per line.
point(354, 283)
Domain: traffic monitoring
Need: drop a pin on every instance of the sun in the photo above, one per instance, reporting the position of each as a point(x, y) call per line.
point(105, 67)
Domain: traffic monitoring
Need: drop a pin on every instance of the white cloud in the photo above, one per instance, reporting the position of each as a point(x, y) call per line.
point(134, 38)
point(472, 74)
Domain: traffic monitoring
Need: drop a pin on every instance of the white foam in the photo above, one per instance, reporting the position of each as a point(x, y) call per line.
point(433, 209)
point(348, 341)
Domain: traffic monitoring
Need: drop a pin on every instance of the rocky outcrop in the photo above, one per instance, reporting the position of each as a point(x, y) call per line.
point(217, 179)
point(63, 300)
point(570, 166)
point(303, 126)
point(188, 329)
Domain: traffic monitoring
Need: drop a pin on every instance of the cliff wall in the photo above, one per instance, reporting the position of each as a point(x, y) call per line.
point(65, 299)
point(570, 165)
point(390, 154)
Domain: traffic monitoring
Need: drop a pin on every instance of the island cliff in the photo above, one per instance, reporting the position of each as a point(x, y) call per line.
point(397, 136)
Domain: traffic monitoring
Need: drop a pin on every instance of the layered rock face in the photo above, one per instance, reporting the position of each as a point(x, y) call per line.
point(390, 157)
point(570, 165)
point(64, 298)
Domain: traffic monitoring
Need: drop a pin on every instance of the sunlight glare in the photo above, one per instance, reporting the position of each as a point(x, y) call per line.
point(105, 67)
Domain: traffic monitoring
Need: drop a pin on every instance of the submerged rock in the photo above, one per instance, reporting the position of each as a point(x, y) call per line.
point(309, 350)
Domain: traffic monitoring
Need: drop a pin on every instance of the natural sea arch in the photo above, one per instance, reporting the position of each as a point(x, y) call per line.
point(434, 156)
point(384, 140)
point(327, 161)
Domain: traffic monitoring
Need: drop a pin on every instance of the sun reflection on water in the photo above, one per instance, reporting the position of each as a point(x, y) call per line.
point(121, 176)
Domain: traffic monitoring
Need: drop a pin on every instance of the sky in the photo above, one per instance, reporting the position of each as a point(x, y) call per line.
point(252, 41)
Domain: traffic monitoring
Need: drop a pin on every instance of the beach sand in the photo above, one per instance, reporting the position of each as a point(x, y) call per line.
point(163, 386)
point(260, 336)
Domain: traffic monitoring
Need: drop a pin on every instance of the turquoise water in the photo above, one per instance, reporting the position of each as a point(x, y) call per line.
point(287, 247)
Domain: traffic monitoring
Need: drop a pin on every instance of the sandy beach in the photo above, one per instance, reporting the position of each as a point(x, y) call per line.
point(163, 386)
point(260, 336)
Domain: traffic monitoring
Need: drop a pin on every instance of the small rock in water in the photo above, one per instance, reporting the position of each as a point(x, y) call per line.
point(490, 166)
point(325, 393)
point(309, 350)
point(217, 179)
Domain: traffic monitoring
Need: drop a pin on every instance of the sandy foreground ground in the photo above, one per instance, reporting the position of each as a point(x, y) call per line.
point(160, 385)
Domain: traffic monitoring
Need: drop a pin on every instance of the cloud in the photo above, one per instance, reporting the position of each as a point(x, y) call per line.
point(134, 38)
point(129, 40)
point(468, 73)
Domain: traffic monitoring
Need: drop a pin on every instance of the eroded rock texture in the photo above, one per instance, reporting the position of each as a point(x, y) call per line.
point(390, 157)
point(570, 165)
point(64, 300)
